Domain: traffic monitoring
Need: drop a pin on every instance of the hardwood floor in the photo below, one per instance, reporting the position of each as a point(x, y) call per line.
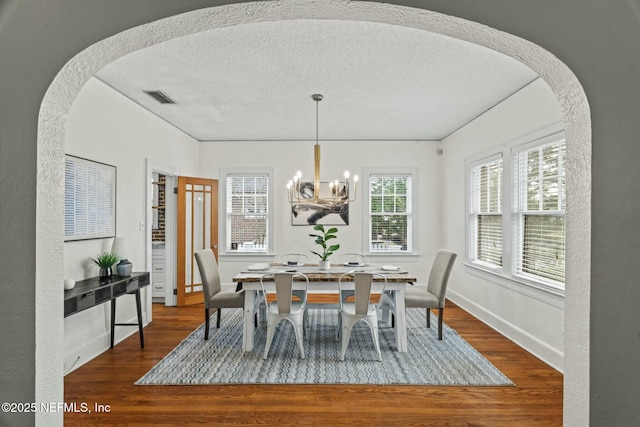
point(536, 400)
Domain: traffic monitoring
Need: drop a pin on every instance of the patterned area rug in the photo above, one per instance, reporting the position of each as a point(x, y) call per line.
point(220, 360)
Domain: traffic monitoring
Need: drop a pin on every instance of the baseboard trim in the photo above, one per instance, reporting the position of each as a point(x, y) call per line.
point(549, 355)
point(98, 344)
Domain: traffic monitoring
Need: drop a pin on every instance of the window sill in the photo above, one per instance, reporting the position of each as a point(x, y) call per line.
point(539, 291)
point(245, 255)
point(410, 257)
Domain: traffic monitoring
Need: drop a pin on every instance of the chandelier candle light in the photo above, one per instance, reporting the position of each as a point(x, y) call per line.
point(295, 191)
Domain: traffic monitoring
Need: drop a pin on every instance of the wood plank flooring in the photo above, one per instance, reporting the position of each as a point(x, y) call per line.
point(536, 400)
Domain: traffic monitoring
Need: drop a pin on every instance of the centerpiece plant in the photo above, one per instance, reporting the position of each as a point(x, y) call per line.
point(322, 239)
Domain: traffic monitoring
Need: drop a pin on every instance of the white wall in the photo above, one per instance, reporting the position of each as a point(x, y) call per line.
point(337, 156)
point(107, 127)
point(532, 318)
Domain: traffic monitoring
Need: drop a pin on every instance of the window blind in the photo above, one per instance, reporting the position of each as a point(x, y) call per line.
point(486, 212)
point(489, 241)
point(543, 247)
point(89, 199)
point(540, 211)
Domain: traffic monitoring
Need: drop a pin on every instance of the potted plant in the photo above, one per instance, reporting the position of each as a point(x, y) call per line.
point(105, 261)
point(327, 250)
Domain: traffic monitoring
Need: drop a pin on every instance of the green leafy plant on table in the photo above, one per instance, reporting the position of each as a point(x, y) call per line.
point(322, 239)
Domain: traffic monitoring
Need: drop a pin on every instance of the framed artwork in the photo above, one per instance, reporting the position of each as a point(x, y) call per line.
point(331, 209)
point(89, 199)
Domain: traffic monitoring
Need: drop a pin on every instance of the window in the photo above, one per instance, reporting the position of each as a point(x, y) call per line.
point(516, 219)
point(390, 213)
point(247, 213)
point(485, 213)
point(539, 174)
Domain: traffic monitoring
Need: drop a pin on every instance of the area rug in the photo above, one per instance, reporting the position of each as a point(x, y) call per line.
point(428, 361)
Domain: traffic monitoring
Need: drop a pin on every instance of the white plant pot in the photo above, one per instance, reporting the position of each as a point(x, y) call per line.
point(324, 265)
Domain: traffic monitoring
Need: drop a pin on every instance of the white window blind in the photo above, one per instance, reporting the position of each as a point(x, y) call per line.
point(390, 211)
point(540, 212)
point(247, 210)
point(89, 199)
point(485, 213)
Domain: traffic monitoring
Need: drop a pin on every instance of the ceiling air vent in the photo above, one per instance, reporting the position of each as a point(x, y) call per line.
point(159, 96)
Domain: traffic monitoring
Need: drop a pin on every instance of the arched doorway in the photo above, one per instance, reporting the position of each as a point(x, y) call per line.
point(67, 84)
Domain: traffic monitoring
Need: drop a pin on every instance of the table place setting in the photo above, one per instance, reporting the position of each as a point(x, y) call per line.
point(264, 268)
point(258, 267)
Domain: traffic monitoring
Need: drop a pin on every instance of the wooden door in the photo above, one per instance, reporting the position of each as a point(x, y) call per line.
point(197, 229)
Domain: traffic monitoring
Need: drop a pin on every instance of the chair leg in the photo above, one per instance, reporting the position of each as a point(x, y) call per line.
point(218, 320)
point(346, 334)
point(373, 326)
point(440, 316)
point(428, 317)
point(206, 324)
point(305, 321)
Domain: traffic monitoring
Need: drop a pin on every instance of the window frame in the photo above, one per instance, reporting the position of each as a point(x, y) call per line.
point(472, 215)
point(225, 174)
point(508, 150)
point(412, 231)
point(519, 213)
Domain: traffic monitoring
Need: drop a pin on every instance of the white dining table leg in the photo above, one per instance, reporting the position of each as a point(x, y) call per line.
point(384, 310)
point(248, 329)
point(401, 321)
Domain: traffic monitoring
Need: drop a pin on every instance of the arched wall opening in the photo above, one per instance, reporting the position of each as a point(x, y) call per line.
point(64, 89)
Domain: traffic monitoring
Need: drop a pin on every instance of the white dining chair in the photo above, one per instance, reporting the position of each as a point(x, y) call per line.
point(291, 259)
point(285, 307)
point(354, 259)
point(361, 309)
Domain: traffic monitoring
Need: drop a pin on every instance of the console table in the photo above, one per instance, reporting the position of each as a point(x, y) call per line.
point(95, 291)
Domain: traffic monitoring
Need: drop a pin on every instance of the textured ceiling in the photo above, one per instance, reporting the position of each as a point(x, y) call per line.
point(379, 81)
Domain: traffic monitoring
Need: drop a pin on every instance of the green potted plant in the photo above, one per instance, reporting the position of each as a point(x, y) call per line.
point(105, 261)
point(322, 239)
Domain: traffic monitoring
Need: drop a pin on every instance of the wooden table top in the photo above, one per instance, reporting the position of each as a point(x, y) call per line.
point(316, 275)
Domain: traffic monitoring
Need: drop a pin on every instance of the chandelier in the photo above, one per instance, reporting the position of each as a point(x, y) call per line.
point(334, 192)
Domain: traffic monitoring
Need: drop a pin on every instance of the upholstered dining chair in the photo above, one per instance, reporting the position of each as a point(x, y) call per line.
point(214, 296)
point(361, 309)
point(285, 307)
point(434, 294)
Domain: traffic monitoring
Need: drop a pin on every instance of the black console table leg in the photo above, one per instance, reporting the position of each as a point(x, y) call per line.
point(113, 320)
point(139, 308)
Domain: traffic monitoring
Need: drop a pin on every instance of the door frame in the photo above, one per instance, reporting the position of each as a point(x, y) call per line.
point(193, 297)
point(170, 223)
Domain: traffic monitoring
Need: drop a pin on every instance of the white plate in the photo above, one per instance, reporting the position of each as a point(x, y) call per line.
point(257, 267)
point(390, 268)
point(299, 264)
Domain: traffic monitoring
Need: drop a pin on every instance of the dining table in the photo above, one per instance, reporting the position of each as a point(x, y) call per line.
point(326, 281)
